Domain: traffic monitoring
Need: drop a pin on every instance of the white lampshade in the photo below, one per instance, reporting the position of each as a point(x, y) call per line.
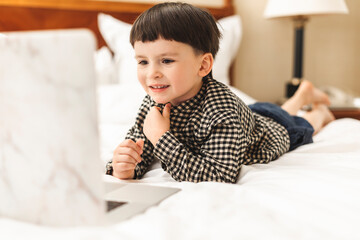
point(288, 8)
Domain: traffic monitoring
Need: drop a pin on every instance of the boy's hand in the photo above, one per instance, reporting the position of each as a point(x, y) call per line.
point(126, 157)
point(156, 124)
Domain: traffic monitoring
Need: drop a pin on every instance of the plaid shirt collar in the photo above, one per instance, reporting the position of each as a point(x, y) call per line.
point(187, 106)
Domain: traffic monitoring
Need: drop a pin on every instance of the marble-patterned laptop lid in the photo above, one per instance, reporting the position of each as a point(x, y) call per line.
point(50, 168)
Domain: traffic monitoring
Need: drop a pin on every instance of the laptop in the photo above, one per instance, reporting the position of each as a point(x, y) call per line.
point(50, 167)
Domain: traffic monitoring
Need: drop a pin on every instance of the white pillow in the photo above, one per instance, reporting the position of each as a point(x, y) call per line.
point(119, 103)
point(231, 30)
point(104, 67)
point(243, 96)
point(116, 34)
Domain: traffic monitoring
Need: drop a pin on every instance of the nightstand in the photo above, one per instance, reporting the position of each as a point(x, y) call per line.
point(346, 113)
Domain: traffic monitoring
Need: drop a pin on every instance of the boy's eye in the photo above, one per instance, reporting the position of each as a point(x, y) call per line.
point(142, 62)
point(167, 61)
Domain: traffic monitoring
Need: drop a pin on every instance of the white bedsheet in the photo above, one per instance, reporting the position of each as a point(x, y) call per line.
point(310, 193)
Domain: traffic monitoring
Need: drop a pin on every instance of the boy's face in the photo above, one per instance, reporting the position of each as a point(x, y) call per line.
point(169, 71)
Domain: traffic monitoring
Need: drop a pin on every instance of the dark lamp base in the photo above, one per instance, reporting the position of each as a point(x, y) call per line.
point(291, 89)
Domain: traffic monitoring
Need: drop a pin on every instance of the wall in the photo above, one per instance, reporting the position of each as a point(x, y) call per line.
point(265, 59)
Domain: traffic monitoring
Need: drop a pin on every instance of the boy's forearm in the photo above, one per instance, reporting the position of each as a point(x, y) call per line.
point(184, 165)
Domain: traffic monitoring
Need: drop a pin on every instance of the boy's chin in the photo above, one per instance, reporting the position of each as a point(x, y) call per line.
point(160, 101)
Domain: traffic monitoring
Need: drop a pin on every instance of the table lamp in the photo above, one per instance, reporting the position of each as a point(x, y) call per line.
point(299, 11)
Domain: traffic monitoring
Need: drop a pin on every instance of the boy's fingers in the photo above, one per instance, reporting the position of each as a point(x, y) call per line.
point(166, 111)
point(124, 166)
point(140, 143)
point(127, 143)
point(125, 154)
point(131, 144)
point(126, 157)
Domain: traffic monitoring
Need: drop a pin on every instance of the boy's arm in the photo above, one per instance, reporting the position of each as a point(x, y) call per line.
point(218, 159)
point(136, 133)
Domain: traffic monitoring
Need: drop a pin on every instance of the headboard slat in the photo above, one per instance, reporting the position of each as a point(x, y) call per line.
point(20, 15)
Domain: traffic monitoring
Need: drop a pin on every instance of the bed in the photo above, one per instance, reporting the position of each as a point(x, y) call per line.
point(310, 193)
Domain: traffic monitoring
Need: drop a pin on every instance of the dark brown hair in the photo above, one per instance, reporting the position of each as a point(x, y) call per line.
point(180, 22)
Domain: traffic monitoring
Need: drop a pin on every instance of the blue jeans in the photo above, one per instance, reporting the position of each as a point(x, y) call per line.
point(300, 131)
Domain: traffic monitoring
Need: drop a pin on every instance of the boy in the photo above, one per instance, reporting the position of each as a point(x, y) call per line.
point(195, 126)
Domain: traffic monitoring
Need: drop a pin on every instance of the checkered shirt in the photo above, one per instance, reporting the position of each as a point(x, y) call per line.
point(211, 135)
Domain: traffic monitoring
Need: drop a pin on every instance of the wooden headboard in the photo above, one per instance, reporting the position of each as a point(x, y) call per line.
point(18, 15)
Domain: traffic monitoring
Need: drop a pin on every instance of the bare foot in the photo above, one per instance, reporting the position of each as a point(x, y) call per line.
point(325, 112)
point(311, 95)
point(305, 95)
point(319, 116)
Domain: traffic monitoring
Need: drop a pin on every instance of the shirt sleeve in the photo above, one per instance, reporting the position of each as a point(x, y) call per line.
point(218, 158)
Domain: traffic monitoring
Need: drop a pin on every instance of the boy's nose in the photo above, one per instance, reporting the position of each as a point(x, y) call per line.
point(154, 72)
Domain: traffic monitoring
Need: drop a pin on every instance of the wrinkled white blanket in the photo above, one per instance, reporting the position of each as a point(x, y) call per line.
point(310, 193)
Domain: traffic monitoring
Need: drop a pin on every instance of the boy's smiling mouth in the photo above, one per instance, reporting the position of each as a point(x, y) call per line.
point(158, 87)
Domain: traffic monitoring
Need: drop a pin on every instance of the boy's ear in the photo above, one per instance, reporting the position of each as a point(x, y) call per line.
point(206, 64)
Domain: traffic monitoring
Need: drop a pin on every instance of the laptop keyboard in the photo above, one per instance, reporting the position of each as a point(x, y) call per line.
point(111, 205)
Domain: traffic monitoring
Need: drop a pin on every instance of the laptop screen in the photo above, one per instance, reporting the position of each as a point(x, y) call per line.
point(111, 205)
